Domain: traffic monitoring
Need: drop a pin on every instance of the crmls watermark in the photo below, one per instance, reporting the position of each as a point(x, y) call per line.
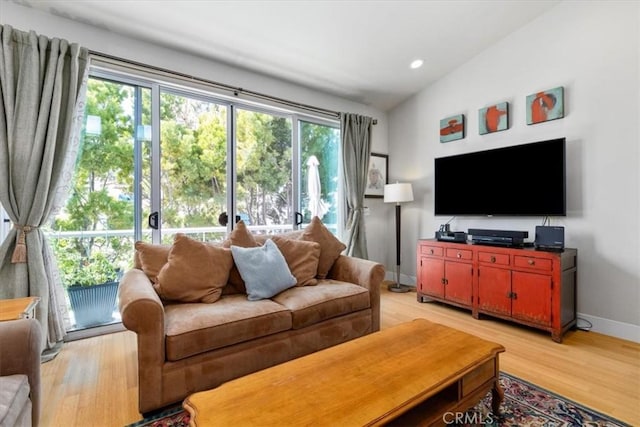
point(472, 418)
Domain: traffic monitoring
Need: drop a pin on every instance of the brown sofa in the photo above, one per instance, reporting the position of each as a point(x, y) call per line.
point(189, 347)
point(20, 348)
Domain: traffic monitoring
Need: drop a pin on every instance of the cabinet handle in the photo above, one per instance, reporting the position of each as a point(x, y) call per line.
point(459, 255)
point(493, 259)
point(514, 295)
point(442, 281)
point(531, 262)
point(431, 251)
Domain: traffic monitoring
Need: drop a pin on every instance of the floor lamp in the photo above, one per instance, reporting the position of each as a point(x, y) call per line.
point(398, 193)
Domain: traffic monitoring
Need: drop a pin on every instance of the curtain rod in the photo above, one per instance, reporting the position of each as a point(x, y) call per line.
point(235, 90)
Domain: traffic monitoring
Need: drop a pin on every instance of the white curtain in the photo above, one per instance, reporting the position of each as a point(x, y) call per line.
point(42, 93)
point(356, 149)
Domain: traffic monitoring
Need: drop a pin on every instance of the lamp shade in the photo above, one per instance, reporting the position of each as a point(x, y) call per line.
point(398, 193)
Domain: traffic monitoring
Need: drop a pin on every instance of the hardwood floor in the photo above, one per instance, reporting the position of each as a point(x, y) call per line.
point(92, 382)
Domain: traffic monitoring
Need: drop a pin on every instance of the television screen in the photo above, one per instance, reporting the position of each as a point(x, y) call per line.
point(520, 180)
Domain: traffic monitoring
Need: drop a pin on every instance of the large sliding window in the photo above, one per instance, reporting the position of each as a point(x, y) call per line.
point(159, 159)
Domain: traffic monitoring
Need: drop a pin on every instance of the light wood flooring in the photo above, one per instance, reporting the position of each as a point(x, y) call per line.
point(92, 382)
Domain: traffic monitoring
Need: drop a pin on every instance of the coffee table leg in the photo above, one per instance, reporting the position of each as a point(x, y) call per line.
point(497, 396)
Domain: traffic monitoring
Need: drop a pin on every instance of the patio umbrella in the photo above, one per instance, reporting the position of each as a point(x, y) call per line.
point(316, 205)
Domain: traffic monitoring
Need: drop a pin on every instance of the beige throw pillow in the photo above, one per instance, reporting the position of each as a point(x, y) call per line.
point(241, 237)
point(151, 258)
point(302, 258)
point(195, 271)
point(330, 246)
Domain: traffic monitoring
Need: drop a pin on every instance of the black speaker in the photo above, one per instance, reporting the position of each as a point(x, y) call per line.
point(549, 238)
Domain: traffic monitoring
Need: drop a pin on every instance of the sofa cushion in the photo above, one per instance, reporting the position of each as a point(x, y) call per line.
point(293, 235)
point(302, 258)
point(14, 399)
point(197, 328)
point(330, 246)
point(263, 269)
point(328, 299)
point(195, 271)
point(240, 236)
point(151, 258)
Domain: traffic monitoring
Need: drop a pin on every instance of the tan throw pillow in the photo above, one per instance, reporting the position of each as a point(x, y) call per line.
point(151, 258)
point(242, 237)
point(195, 271)
point(330, 246)
point(302, 258)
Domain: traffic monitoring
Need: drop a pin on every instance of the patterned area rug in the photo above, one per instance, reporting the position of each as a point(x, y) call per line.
point(524, 405)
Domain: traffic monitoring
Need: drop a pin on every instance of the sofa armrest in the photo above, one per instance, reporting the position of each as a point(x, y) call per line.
point(20, 350)
point(362, 272)
point(140, 306)
point(142, 312)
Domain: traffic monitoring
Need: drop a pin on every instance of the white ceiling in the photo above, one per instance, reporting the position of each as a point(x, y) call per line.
point(359, 50)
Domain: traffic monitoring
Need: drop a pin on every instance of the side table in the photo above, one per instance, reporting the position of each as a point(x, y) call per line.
point(18, 308)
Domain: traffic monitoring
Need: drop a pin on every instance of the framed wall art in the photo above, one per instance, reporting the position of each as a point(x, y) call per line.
point(544, 106)
point(452, 128)
point(377, 175)
point(494, 118)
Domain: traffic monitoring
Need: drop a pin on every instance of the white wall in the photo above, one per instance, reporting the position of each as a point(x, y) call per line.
point(592, 49)
point(99, 40)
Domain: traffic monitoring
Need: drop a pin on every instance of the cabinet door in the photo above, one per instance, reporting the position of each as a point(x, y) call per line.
point(494, 290)
point(531, 297)
point(459, 278)
point(431, 277)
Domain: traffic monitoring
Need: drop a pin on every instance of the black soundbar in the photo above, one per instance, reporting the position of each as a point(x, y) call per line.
point(497, 241)
point(498, 237)
point(498, 233)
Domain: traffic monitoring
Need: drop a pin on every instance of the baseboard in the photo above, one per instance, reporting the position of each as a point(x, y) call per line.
point(404, 279)
point(625, 331)
point(94, 331)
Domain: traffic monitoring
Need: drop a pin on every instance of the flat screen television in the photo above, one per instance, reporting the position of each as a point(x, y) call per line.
point(519, 180)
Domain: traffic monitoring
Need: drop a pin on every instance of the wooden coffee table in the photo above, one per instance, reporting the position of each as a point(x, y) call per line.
point(413, 373)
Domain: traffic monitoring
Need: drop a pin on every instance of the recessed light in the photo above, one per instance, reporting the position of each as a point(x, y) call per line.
point(416, 64)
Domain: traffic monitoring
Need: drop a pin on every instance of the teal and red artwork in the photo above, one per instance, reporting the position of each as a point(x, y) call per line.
point(545, 106)
point(494, 118)
point(452, 128)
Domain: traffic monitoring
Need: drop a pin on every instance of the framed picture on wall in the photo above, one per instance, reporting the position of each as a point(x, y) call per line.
point(546, 105)
point(452, 128)
point(377, 175)
point(493, 119)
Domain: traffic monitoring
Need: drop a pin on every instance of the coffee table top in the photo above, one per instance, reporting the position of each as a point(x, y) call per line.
point(382, 374)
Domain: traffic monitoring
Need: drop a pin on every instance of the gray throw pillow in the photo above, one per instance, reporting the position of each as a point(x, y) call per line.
point(264, 270)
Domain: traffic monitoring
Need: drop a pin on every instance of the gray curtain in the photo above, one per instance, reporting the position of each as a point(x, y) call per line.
point(356, 149)
point(42, 92)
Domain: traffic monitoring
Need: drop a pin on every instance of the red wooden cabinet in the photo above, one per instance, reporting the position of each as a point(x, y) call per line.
point(446, 274)
point(530, 287)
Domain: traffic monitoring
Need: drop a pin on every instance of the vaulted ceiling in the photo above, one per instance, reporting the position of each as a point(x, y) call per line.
point(360, 50)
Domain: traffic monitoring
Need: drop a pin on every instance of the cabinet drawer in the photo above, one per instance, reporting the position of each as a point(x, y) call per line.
point(532, 262)
point(459, 253)
point(500, 259)
point(478, 377)
point(431, 250)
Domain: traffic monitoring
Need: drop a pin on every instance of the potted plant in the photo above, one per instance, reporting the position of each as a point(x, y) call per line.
point(92, 286)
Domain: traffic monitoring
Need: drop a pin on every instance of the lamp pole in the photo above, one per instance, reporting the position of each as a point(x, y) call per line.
point(398, 193)
point(397, 287)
